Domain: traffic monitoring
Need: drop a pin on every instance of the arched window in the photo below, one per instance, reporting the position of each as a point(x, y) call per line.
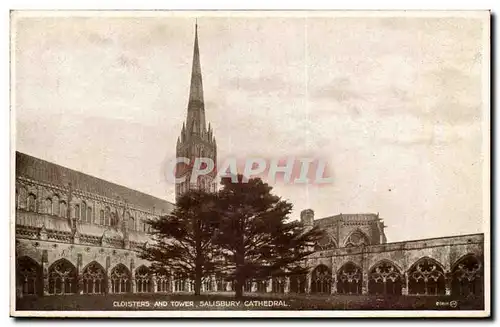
point(162, 281)
point(385, 278)
point(55, 205)
point(278, 284)
point(467, 277)
point(120, 279)
point(142, 280)
point(89, 215)
point(107, 216)
point(62, 277)
point(357, 238)
point(22, 201)
point(94, 279)
point(179, 283)
point(84, 211)
point(321, 280)
point(114, 219)
point(48, 206)
point(326, 243)
point(298, 283)
point(31, 203)
point(101, 217)
point(29, 276)
point(63, 209)
point(131, 223)
point(77, 212)
point(426, 277)
point(349, 279)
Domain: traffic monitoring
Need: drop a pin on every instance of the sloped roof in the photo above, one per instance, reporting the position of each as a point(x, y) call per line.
point(48, 172)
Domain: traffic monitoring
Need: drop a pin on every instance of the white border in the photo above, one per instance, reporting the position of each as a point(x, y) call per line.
point(322, 313)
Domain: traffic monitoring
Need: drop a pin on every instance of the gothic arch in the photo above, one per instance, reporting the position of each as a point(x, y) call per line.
point(349, 278)
point(29, 276)
point(426, 277)
point(143, 279)
point(94, 279)
point(467, 276)
point(278, 284)
point(356, 238)
point(298, 282)
point(321, 279)
point(327, 242)
point(385, 278)
point(163, 281)
point(62, 277)
point(120, 279)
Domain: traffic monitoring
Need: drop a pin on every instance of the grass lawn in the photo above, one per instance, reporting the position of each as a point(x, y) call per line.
point(227, 301)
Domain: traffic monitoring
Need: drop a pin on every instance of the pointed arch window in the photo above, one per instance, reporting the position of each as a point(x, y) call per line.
point(357, 238)
point(467, 277)
point(426, 277)
point(55, 205)
point(162, 281)
point(107, 216)
point(94, 279)
point(48, 206)
point(349, 279)
point(321, 280)
point(143, 280)
point(89, 214)
point(31, 203)
point(62, 277)
point(63, 209)
point(101, 217)
point(120, 279)
point(385, 279)
point(29, 276)
point(131, 222)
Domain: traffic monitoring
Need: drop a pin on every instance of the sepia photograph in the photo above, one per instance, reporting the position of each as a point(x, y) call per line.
point(250, 163)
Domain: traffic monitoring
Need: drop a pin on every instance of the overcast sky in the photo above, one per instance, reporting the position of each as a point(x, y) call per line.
point(392, 104)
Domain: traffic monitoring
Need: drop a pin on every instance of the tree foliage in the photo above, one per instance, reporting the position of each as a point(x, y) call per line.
point(256, 236)
point(184, 240)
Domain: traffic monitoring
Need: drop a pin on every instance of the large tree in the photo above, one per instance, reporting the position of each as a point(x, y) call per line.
point(257, 237)
point(184, 239)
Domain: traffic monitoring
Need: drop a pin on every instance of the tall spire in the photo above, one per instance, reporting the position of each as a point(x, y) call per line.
point(196, 107)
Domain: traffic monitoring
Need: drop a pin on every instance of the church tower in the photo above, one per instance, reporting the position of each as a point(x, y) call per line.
point(196, 140)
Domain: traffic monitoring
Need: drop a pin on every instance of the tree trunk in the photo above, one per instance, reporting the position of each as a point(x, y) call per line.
point(239, 287)
point(198, 275)
point(197, 285)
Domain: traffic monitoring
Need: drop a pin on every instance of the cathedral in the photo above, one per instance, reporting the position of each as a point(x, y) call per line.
point(78, 234)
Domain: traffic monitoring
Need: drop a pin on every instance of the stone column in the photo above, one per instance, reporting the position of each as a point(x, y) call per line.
point(269, 286)
point(334, 284)
point(447, 282)
point(308, 283)
point(132, 273)
point(287, 284)
point(364, 283)
point(172, 284)
point(154, 284)
point(404, 289)
point(45, 272)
